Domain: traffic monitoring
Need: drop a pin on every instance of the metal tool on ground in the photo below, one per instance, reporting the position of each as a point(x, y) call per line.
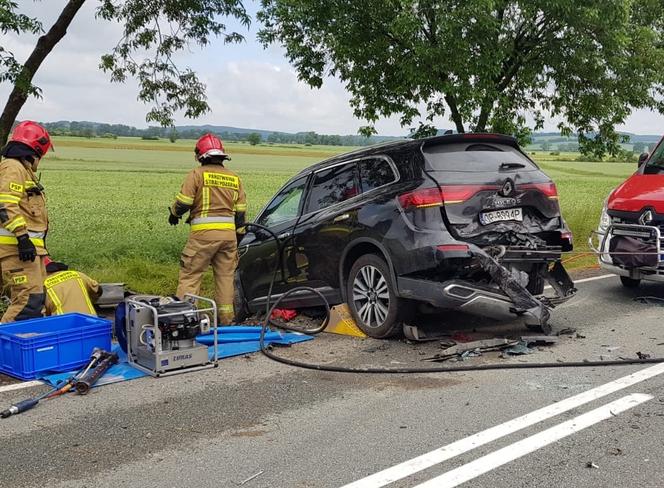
point(85, 381)
point(99, 363)
point(23, 405)
point(159, 333)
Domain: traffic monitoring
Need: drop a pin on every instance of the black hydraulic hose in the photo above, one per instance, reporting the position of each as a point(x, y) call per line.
point(373, 370)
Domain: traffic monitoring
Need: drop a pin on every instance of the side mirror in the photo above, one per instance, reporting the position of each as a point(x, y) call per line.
point(643, 158)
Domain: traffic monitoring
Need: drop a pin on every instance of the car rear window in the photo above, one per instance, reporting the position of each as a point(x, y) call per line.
point(374, 173)
point(476, 157)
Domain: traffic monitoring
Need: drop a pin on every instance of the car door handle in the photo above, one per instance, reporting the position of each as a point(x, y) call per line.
point(341, 217)
point(285, 235)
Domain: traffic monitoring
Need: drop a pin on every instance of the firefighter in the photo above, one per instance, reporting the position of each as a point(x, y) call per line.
point(23, 221)
point(216, 202)
point(69, 291)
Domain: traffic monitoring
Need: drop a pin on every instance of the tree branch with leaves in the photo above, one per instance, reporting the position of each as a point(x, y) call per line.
point(154, 31)
point(488, 65)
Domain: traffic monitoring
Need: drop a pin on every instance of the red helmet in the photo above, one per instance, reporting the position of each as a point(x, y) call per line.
point(33, 135)
point(209, 145)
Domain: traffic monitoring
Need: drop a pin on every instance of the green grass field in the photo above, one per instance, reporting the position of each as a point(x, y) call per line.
point(108, 200)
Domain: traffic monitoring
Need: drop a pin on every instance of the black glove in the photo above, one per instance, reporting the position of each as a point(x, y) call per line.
point(26, 249)
point(173, 219)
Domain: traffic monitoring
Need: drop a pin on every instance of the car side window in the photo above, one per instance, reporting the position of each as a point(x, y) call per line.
point(375, 173)
point(332, 186)
point(285, 205)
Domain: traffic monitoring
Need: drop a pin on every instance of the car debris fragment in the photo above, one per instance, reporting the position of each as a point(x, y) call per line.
point(648, 300)
point(539, 340)
point(476, 347)
point(518, 349)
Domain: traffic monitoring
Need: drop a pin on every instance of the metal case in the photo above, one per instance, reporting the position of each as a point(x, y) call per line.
point(142, 317)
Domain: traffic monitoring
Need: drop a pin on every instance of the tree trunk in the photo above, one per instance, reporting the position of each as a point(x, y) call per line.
point(484, 116)
point(45, 45)
point(454, 113)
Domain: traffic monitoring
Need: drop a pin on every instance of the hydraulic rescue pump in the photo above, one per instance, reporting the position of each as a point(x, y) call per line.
point(159, 333)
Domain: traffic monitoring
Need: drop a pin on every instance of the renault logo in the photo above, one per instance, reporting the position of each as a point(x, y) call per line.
point(646, 217)
point(507, 189)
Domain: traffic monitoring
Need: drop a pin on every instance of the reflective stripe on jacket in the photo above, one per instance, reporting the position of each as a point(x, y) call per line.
point(69, 292)
point(22, 208)
point(213, 196)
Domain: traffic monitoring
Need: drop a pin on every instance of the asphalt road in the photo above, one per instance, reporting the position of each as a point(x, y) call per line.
point(269, 425)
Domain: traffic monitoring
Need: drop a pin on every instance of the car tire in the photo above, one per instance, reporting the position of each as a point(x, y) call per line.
point(372, 298)
point(629, 282)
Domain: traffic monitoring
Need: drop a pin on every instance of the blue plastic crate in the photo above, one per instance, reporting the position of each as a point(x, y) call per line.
point(31, 348)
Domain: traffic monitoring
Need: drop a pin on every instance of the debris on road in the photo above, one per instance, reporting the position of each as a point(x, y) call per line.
point(461, 337)
point(518, 349)
point(642, 355)
point(251, 478)
point(648, 300)
point(591, 465)
point(284, 314)
point(567, 331)
point(539, 340)
point(384, 346)
point(472, 349)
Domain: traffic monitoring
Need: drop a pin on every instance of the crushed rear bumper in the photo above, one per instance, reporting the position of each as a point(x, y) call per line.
point(503, 299)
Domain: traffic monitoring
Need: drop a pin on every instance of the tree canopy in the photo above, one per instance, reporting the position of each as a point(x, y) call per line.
point(488, 65)
point(153, 32)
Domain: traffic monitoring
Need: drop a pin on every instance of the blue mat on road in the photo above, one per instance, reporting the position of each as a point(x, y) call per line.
point(233, 341)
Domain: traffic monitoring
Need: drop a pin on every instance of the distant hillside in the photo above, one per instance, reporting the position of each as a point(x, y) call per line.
point(227, 133)
point(539, 141)
point(218, 129)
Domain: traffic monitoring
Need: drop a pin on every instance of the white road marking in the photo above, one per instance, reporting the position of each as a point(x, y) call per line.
point(586, 280)
point(530, 444)
point(595, 278)
point(20, 386)
point(461, 446)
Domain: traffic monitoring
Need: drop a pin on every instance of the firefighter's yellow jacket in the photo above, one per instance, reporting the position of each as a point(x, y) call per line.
point(22, 208)
point(69, 292)
point(216, 202)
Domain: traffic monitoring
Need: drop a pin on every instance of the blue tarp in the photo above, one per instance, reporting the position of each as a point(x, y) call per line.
point(233, 341)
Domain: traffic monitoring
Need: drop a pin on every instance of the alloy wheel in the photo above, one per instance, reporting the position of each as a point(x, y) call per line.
point(371, 296)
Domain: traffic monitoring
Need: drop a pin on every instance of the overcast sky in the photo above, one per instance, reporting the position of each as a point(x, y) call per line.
point(248, 86)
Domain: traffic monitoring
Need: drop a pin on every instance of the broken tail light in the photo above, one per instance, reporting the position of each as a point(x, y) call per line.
point(450, 194)
point(461, 193)
point(421, 198)
point(549, 189)
point(433, 197)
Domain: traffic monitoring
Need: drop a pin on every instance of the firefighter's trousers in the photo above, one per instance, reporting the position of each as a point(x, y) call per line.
point(222, 255)
point(25, 280)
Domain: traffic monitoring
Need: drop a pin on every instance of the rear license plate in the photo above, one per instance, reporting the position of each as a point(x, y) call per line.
point(501, 215)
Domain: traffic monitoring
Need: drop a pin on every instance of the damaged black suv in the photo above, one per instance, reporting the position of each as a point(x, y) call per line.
point(462, 221)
